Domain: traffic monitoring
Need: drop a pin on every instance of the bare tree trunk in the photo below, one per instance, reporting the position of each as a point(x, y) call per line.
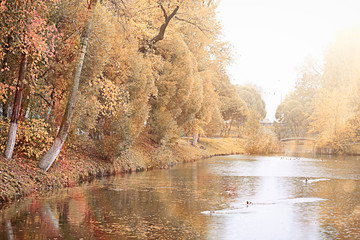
point(8, 230)
point(48, 159)
point(10, 144)
point(8, 110)
point(195, 139)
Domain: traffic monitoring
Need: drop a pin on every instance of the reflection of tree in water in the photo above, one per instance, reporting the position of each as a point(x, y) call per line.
point(340, 215)
point(43, 221)
point(168, 204)
point(148, 205)
point(159, 206)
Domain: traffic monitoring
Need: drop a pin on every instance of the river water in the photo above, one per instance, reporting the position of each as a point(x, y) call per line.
point(202, 200)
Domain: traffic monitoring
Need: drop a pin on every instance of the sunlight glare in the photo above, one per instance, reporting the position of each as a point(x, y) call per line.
point(272, 38)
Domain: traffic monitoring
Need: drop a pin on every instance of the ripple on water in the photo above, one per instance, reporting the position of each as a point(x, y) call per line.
point(247, 208)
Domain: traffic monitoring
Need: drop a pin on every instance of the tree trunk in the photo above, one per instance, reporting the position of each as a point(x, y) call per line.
point(10, 144)
point(48, 159)
point(230, 125)
point(195, 139)
point(8, 110)
point(222, 131)
point(24, 104)
point(8, 230)
point(161, 34)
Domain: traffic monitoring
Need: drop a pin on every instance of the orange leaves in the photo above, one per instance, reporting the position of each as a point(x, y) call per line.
point(5, 91)
point(40, 37)
point(3, 7)
point(28, 21)
point(120, 86)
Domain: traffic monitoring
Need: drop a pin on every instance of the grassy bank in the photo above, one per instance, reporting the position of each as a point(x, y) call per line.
point(22, 177)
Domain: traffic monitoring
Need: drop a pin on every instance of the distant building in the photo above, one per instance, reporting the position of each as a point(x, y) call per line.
point(266, 123)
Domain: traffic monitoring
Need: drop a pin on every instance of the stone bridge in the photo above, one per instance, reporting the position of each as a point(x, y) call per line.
point(298, 146)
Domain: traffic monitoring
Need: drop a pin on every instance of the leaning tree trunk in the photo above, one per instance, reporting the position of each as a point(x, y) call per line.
point(10, 144)
point(48, 159)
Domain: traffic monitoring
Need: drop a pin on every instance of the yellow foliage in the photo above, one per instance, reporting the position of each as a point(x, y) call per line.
point(32, 138)
point(264, 141)
point(330, 115)
point(113, 97)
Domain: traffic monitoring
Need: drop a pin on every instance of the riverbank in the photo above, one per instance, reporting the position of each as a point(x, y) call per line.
point(21, 177)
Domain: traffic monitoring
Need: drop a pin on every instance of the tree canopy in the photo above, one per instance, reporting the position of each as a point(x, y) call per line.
point(325, 104)
point(98, 74)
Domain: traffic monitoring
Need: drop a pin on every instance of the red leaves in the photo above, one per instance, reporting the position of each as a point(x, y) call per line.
point(27, 22)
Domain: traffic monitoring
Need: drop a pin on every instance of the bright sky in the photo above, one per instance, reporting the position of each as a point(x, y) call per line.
point(271, 38)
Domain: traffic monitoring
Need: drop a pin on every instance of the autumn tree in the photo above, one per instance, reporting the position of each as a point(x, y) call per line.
point(331, 113)
point(208, 113)
point(292, 115)
point(252, 99)
point(29, 37)
point(291, 118)
point(174, 87)
point(133, 67)
point(181, 83)
point(147, 44)
point(232, 107)
point(309, 80)
point(212, 54)
point(336, 101)
point(256, 110)
point(54, 151)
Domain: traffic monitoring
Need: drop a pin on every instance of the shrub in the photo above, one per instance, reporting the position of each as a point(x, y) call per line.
point(32, 139)
point(262, 142)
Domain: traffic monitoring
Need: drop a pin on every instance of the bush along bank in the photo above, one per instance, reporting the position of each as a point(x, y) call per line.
point(22, 177)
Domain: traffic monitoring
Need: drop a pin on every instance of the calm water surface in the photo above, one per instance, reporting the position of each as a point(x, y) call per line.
point(202, 200)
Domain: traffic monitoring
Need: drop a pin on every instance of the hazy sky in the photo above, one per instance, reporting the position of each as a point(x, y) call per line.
point(271, 38)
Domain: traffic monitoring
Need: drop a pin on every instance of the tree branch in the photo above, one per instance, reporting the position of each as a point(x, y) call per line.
point(162, 30)
point(163, 9)
point(163, 27)
point(194, 24)
point(46, 101)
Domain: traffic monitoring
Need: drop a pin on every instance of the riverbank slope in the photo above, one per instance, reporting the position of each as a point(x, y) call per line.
point(21, 176)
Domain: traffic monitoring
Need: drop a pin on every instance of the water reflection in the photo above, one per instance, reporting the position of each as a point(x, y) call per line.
point(205, 200)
